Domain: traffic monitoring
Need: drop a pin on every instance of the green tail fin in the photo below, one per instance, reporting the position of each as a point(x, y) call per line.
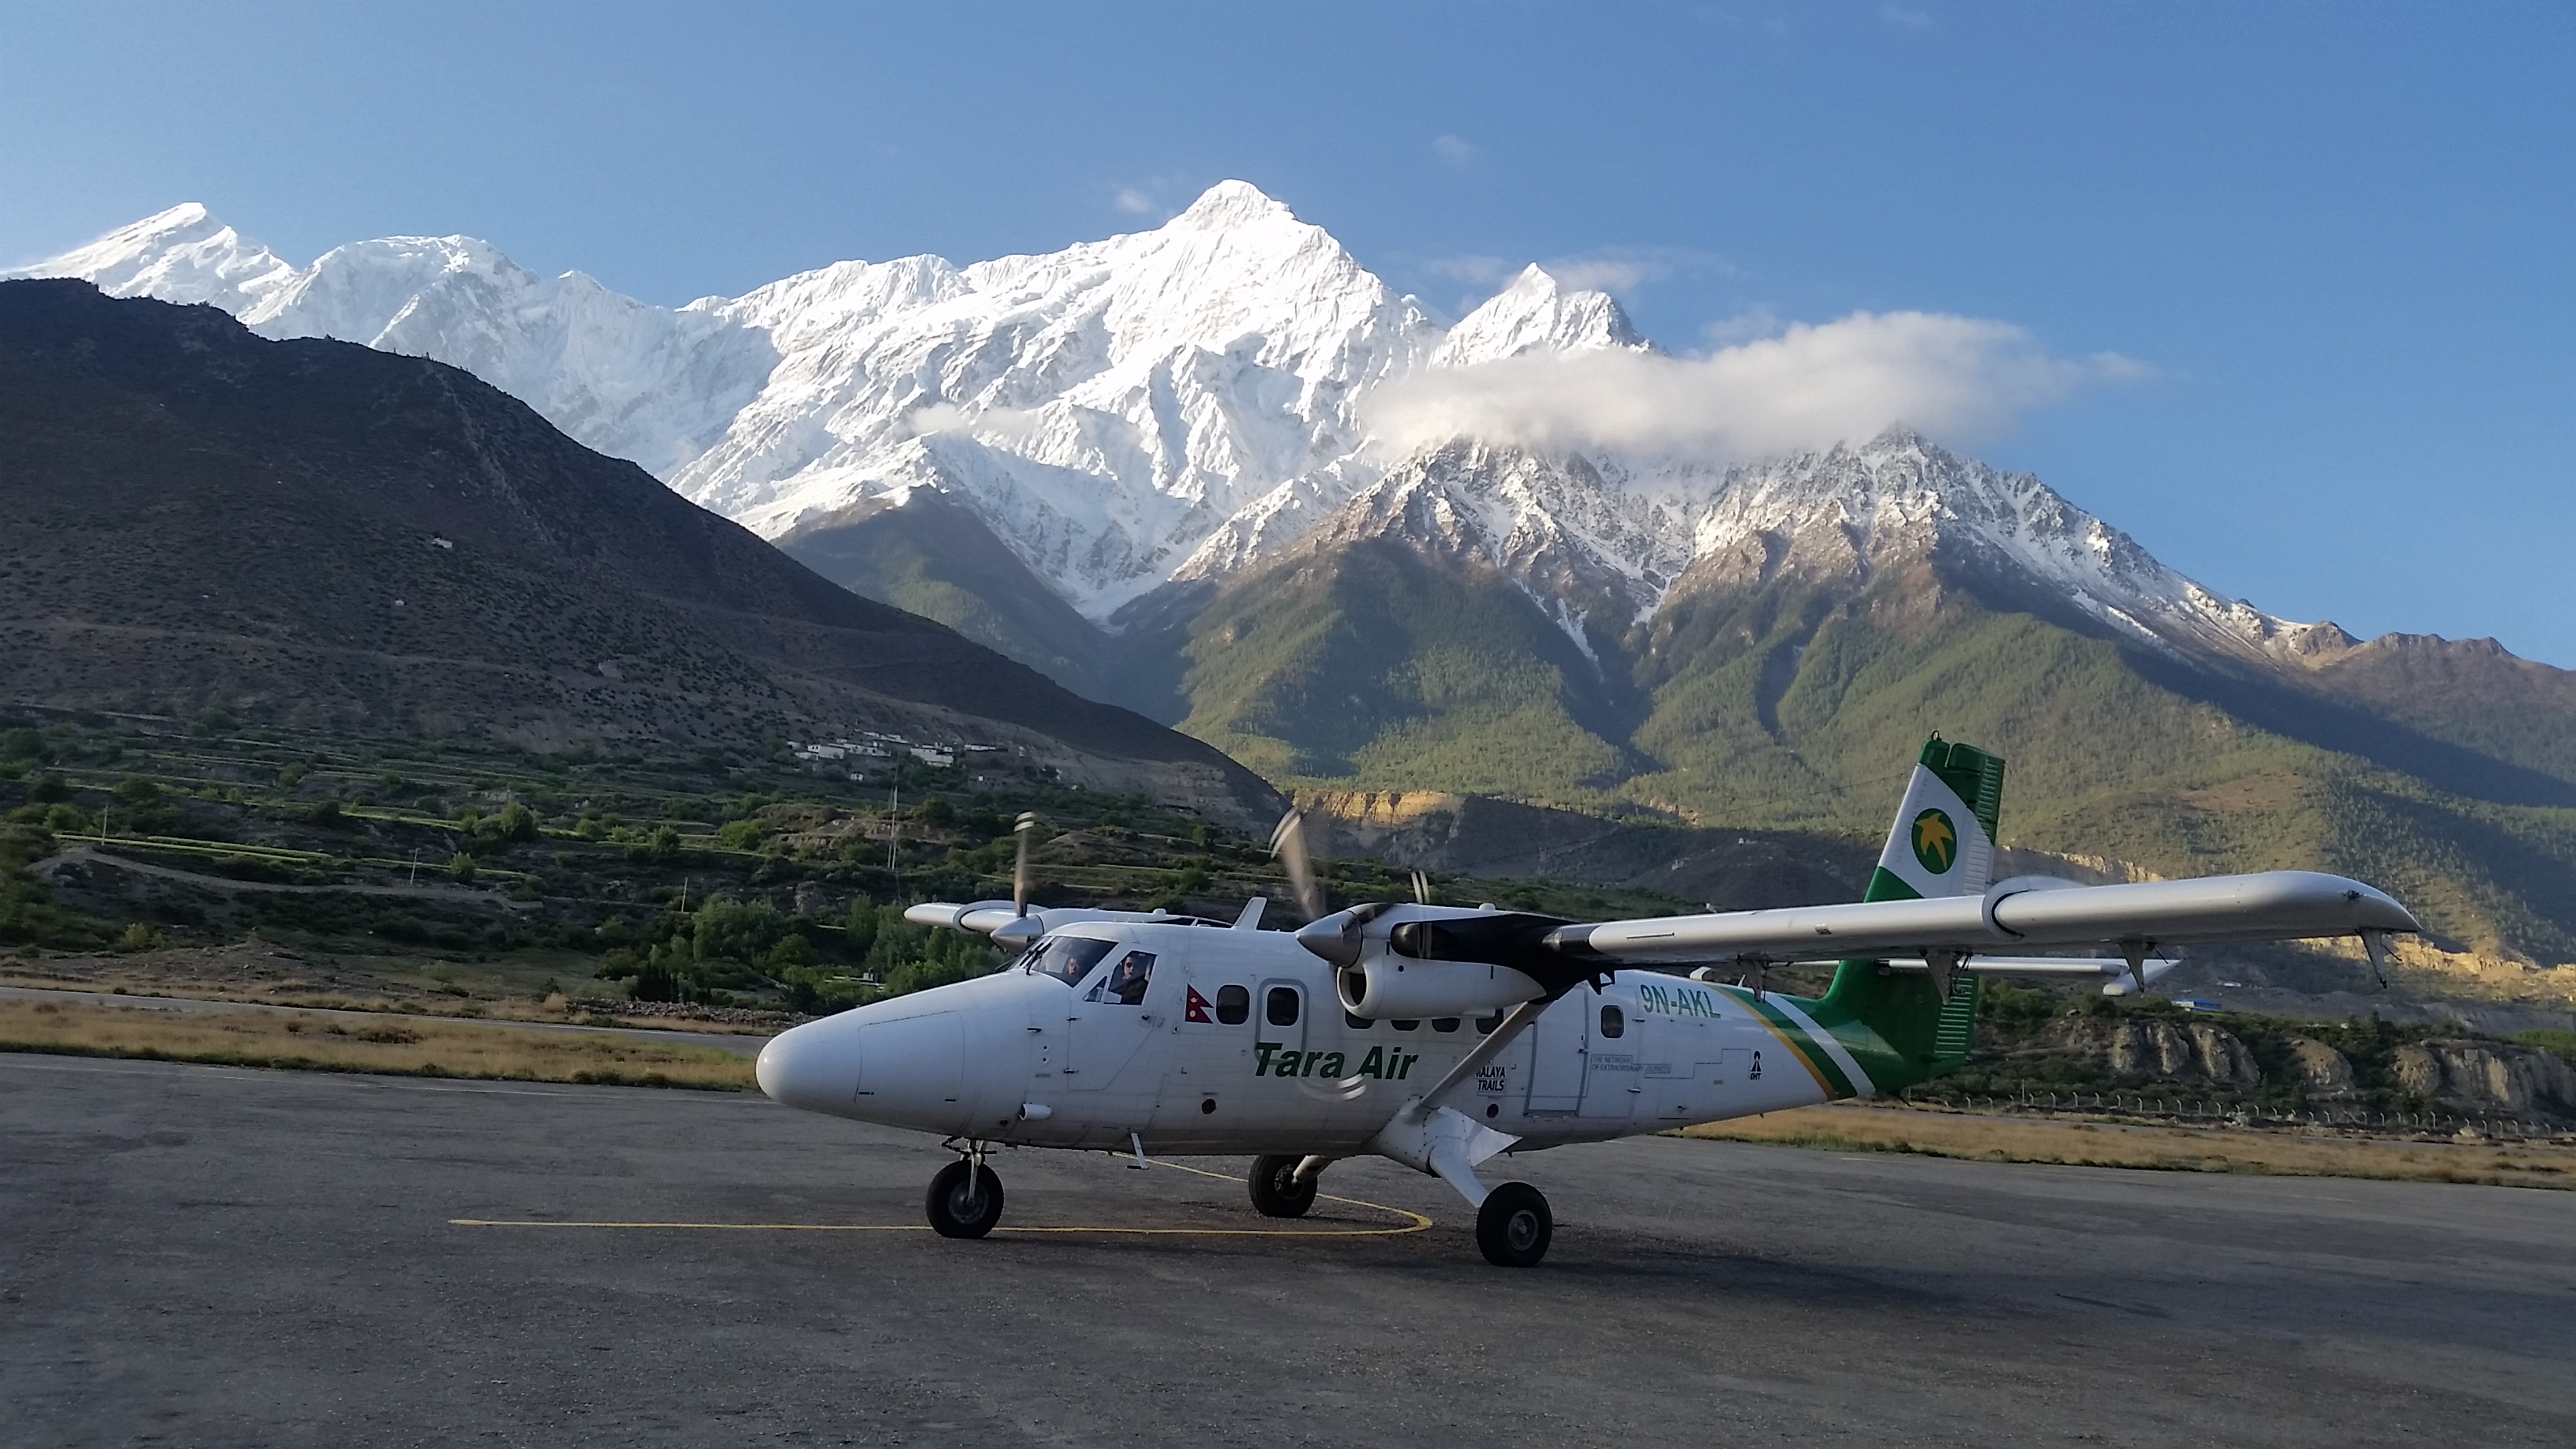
point(1942, 844)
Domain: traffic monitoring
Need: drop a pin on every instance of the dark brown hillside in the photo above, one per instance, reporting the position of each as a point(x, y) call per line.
point(317, 531)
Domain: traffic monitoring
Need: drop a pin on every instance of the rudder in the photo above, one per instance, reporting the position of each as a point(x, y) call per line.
point(1941, 844)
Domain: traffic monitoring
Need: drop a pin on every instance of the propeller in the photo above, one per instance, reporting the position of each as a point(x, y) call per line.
point(1421, 889)
point(1022, 832)
point(1288, 847)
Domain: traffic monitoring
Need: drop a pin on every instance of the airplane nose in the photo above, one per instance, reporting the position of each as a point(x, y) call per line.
point(811, 1068)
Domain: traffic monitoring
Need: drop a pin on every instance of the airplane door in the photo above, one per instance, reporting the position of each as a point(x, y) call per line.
point(1109, 1021)
point(1557, 1054)
point(1613, 1076)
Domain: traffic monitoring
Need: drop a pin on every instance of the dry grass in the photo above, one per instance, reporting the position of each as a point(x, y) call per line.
point(2172, 1149)
point(397, 1045)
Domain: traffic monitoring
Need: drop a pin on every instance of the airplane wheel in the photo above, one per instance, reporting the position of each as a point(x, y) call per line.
point(1514, 1225)
point(965, 1201)
point(1276, 1190)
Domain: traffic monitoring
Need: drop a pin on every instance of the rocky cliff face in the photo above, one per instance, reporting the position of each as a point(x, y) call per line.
point(2365, 1064)
point(2487, 1076)
point(2153, 1048)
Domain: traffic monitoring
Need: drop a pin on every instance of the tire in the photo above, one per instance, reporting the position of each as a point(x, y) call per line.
point(962, 1206)
point(1514, 1225)
point(1276, 1190)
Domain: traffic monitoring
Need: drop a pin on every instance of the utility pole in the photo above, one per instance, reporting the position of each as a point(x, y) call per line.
point(894, 824)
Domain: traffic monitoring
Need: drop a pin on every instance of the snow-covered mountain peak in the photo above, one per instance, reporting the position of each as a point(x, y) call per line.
point(1171, 404)
point(1535, 314)
point(1230, 205)
point(183, 254)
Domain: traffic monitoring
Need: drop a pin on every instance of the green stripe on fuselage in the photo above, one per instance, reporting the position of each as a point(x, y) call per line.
point(1820, 1062)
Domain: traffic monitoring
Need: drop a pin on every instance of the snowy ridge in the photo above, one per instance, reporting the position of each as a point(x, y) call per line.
point(180, 255)
point(1533, 314)
point(1170, 405)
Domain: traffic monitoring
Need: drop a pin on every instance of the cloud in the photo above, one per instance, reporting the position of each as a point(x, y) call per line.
point(1622, 270)
point(1961, 378)
point(1751, 325)
point(1604, 274)
point(1452, 151)
point(1135, 202)
point(1490, 271)
point(1903, 18)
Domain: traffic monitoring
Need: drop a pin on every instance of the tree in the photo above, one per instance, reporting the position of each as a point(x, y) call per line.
point(729, 930)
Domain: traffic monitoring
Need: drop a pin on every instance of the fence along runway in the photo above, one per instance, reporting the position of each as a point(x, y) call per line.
point(220, 1256)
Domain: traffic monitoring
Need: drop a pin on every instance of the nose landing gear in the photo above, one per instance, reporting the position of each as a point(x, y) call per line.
point(965, 1197)
point(1277, 1189)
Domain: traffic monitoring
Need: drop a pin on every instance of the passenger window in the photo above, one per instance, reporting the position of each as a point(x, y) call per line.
point(1444, 1023)
point(1614, 1022)
point(1485, 1024)
point(1233, 1005)
point(1414, 1025)
point(1068, 958)
point(1356, 1023)
point(1127, 980)
point(1280, 1009)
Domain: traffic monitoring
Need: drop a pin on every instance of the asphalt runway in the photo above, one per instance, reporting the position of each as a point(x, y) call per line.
point(212, 1256)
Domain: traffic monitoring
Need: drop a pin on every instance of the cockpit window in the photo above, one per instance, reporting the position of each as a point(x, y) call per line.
point(1126, 981)
point(1067, 958)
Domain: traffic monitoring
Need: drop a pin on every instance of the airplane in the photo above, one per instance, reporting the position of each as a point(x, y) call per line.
point(1441, 1036)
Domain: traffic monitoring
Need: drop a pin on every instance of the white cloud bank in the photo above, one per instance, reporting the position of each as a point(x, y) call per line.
point(1962, 379)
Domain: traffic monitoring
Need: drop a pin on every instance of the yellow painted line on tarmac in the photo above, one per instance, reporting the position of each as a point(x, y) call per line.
point(1416, 1222)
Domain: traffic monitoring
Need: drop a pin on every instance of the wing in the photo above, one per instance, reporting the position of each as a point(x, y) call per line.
point(2026, 914)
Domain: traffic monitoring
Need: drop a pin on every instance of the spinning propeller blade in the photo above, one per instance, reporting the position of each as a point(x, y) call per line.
point(1288, 847)
point(1026, 828)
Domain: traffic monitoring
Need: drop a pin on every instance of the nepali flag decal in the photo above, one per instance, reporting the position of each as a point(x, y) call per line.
point(1197, 1007)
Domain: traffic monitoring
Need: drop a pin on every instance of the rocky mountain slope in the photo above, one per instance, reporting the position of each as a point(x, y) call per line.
point(318, 532)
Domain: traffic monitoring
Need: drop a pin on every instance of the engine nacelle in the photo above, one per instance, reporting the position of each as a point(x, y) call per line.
point(1383, 985)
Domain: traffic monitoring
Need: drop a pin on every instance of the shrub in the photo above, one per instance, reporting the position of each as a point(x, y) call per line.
point(654, 982)
point(137, 790)
point(460, 866)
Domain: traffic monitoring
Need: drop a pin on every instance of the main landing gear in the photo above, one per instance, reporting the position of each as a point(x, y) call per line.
point(965, 1198)
point(1513, 1225)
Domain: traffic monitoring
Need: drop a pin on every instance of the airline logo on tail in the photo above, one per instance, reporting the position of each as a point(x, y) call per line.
point(1936, 841)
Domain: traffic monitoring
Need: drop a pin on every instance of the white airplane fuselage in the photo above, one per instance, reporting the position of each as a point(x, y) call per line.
point(1238, 1045)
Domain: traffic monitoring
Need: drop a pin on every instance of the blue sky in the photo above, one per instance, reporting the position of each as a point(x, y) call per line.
point(2342, 236)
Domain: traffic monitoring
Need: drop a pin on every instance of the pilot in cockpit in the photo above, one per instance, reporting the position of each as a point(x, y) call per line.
point(1128, 979)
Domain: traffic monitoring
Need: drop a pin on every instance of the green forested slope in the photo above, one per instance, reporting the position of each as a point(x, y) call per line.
point(1798, 705)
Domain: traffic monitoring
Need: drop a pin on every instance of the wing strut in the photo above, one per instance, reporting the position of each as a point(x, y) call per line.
point(2135, 953)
